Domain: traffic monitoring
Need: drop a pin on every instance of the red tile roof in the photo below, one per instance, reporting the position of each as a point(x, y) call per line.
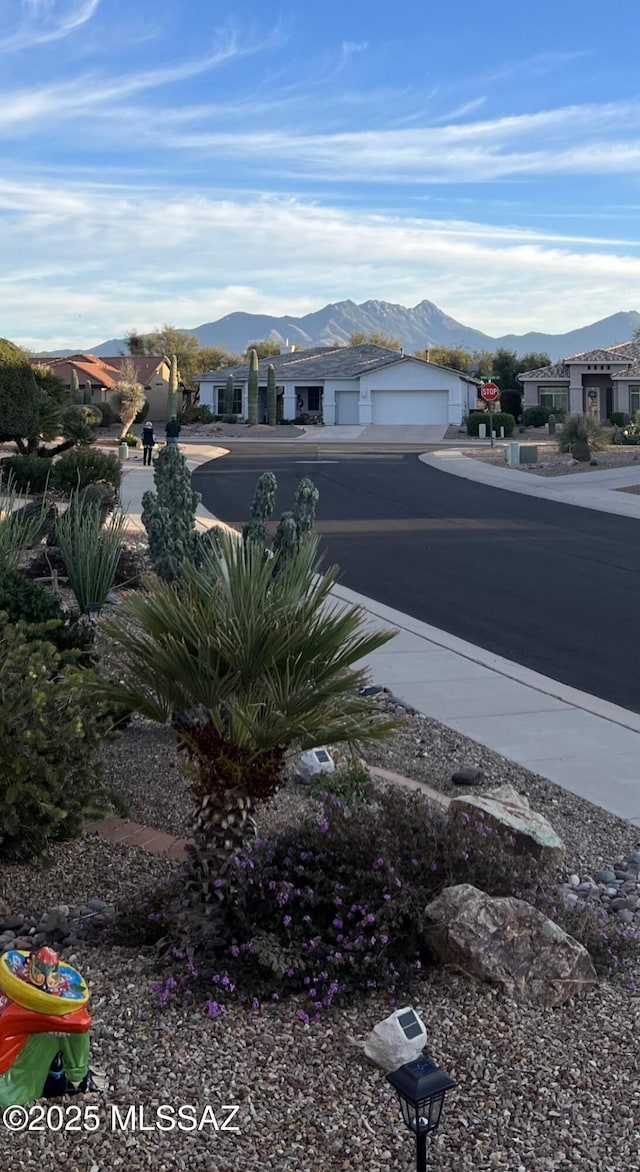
point(102, 372)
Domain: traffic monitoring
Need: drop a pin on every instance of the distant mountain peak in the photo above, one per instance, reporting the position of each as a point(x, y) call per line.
point(422, 325)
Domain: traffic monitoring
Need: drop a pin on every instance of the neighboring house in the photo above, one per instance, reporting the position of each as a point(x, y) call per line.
point(350, 385)
point(608, 380)
point(105, 373)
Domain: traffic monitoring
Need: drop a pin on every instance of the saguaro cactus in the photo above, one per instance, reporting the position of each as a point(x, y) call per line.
point(228, 396)
point(88, 393)
point(271, 395)
point(75, 388)
point(172, 398)
point(252, 412)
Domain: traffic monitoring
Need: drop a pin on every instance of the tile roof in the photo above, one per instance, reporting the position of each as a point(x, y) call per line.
point(103, 372)
point(320, 363)
point(624, 352)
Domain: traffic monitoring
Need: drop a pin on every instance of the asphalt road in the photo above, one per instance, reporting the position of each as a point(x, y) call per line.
point(549, 586)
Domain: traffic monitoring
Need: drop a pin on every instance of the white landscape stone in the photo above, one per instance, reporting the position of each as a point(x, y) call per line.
point(388, 1046)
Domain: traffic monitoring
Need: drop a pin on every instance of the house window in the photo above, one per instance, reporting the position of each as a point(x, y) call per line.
point(313, 399)
point(634, 400)
point(557, 398)
point(237, 400)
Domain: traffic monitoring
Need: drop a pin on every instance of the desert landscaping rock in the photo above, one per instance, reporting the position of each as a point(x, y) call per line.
point(470, 776)
point(509, 943)
point(388, 1046)
point(510, 814)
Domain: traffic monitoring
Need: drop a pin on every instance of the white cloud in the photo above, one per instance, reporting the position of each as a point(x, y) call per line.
point(37, 29)
point(83, 264)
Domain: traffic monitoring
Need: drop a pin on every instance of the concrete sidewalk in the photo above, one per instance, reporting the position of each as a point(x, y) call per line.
point(585, 490)
point(586, 745)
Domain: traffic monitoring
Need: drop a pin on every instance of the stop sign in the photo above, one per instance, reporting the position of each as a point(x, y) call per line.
point(489, 392)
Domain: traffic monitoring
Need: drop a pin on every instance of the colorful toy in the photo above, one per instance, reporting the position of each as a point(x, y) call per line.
point(44, 1028)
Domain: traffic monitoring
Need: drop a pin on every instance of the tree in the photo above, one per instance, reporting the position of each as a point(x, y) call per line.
point(193, 359)
point(129, 394)
point(507, 366)
point(455, 358)
point(374, 338)
point(263, 349)
point(26, 413)
point(481, 364)
point(248, 667)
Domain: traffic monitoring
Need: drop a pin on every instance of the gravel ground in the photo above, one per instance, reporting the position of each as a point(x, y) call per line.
point(143, 767)
point(538, 1089)
point(552, 463)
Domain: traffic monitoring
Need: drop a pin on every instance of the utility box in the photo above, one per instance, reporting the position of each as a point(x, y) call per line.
point(528, 454)
point(482, 431)
point(512, 454)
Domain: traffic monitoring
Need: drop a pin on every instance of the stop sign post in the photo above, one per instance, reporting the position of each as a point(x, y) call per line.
point(490, 392)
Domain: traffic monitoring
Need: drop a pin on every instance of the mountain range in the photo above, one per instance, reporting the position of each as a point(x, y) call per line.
point(416, 328)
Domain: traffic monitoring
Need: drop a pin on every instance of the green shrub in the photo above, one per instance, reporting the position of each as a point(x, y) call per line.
point(201, 414)
point(79, 423)
point(107, 414)
point(619, 418)
point(90, 550)
point(49, 740)
point(131, 440)
point(143, 412)
point(29, 473)
point(352, 785)
point(285, 422)
point(77, 469)
point(579, 430)
point(29, 602)
point(628, 436)
point(499, 420)
point(538, 416)
point(229, 418)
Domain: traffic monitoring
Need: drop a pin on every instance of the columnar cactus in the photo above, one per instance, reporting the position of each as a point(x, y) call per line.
point(272, 395)
point(75, 388)
point(88, 393)
point(252, 412)
point(228, 396)
point(172, 398)
point(168, 515)
point(304, 509)
point(285, 542)
point(264, 500)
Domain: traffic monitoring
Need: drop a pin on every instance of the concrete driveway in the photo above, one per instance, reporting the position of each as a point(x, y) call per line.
point(377, 433)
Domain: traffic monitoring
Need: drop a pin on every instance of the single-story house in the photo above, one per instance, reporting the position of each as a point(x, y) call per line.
point(607, 380)
point(105, 373)
point(349, 385)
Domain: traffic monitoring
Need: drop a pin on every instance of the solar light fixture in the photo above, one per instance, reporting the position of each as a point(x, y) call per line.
point(421, 1088)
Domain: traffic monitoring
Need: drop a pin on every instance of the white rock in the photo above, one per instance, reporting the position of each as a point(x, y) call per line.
point(312, 763)
point(388, 1045)
point(574, 880)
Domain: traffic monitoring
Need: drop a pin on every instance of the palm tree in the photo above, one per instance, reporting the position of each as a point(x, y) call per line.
point(247, 666)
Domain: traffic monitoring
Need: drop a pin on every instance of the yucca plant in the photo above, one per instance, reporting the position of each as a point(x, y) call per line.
point(246, 666)
point(581, 430)
point(91, 550)
point(21, 524)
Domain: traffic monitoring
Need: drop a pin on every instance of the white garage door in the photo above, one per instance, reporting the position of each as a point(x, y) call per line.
point(347, 407)
point(409, 406)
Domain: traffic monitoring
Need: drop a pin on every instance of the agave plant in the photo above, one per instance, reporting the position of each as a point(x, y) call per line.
point(247, 666)
point(582, 430)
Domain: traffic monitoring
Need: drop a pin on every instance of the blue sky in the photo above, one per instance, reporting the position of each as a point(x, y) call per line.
point(182, 159)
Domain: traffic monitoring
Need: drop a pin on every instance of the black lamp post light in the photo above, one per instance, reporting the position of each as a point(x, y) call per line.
point(421, 1088)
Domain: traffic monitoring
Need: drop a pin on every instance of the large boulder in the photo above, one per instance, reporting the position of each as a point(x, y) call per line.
point(510, 814)
point(509, 943)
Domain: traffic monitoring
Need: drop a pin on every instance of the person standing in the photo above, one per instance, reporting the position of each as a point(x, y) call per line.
point(148, 443)
point(172, 431)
